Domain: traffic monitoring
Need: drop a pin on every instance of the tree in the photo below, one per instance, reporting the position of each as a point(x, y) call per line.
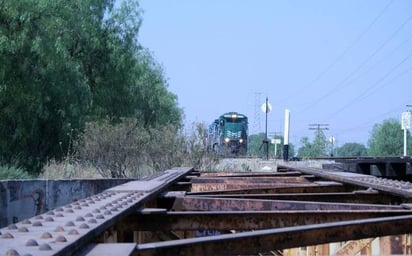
point(67, 62)
point(386, 139)
point(352, 149)
point(43, 94)
point(316, 149)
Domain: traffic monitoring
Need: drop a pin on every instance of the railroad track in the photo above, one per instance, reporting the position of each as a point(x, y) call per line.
point(186, 212)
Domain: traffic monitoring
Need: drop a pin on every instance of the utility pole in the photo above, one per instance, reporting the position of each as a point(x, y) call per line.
point(406, 125)
point(266, 108)
point(318, 127)
point(286, 136)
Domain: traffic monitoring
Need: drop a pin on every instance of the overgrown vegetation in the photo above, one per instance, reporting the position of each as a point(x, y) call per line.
point(125, 149)
point(68, 63)
point(11, 172)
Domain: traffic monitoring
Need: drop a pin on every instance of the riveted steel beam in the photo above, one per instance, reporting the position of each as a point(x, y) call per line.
point(289, 188)
point(247, 220)
point(365, 197)
point(67, 229)
point(260, 241)
point(191, 203)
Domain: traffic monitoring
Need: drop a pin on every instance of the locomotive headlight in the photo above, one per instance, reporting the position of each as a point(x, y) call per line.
point(241, 141)
point(227, 140)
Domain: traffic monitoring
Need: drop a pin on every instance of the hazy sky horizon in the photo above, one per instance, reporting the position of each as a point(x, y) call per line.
point(344, 63)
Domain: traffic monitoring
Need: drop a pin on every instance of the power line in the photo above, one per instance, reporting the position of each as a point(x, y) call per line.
point(373, 88)
point(343, 54)
point(340, 86)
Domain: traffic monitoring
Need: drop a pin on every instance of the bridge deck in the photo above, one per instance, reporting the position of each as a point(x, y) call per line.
point(185, 212)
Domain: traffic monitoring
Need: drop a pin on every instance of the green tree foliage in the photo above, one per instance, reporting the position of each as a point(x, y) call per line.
point(352, 149)
point(386, 139)
point(67, 62)
point(43, 93)
point(318, 148)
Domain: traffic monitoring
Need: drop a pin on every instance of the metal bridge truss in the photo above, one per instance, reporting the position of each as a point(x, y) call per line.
point(186, 212)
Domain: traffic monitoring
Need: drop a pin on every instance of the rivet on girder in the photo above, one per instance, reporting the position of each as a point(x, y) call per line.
point(12, 252)
point(46, 235)
point(69, 211)
point(73, 232)
point(12, 226)
point(38, 217)
point(96, 211)
point(45, 247)
point(69, 224)
point(23, 229)
point(7, 236)
point(26, 222)
point(61, 239)
point(99, 216)
point(84, 226)
point(49, 219)
point(92, 221)
point(59, 229)
point(31, 242)
point(80, 218)
point(88, 215)
point(37, 224)
point(59, 215)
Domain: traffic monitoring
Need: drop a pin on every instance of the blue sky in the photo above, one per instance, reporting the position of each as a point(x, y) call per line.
point(345, 63)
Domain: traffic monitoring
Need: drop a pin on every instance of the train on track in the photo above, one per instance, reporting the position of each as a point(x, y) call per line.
point(228, 135)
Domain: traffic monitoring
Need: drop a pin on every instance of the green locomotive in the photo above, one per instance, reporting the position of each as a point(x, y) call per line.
point(228, 134)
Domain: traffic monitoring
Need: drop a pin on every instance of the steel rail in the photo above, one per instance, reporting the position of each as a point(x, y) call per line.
point(394, 187)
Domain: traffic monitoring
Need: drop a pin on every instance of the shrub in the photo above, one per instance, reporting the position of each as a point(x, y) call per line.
point(11, 172)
